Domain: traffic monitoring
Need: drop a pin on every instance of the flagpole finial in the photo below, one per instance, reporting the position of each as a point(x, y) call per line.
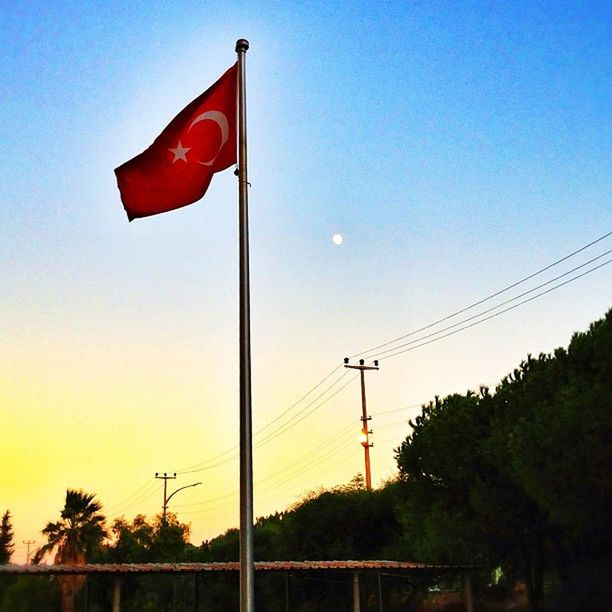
point(242, 44)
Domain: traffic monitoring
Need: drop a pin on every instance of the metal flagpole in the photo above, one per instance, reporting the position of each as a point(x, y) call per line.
point(247, 567)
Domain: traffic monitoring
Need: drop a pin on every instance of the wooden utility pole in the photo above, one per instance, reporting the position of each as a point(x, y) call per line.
point(365, 430)
point(167, 497)
point(28, 542)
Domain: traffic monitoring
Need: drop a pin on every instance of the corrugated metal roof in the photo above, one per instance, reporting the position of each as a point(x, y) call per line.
point(173, 568)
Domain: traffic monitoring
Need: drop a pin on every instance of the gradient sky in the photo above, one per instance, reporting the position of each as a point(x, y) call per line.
point(457, 146)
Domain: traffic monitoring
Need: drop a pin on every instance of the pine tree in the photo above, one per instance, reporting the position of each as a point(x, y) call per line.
point(6, 538)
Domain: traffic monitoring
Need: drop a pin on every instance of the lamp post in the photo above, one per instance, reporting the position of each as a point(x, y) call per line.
point(167, 498)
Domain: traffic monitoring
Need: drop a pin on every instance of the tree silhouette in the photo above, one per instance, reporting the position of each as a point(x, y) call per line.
point(6, 538)
point(79, 532)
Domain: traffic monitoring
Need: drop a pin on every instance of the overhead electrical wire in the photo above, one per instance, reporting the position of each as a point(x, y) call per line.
point(456, 331)
point(485, 299)
point(439, 337)
point(329, 443)
point(267, 490)
point(389, 350)
point(393, 351)
point(411, 407)
point(207, 501)
point(394, 424)
point(282, 414)
point(273, 486)
point(230, 454)
point(146, 485)
point(301, 459)
point(342, 442)
point(282, 428)
point(139, 500)
point(292, 424)
point(309, 460)
point(211, 462)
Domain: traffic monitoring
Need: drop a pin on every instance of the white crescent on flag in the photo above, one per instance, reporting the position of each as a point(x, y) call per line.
point(221, 120)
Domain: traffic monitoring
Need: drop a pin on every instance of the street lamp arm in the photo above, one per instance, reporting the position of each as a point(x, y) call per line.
point(195, 484)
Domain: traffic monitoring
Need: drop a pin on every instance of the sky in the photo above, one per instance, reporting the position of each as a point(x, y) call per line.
point(458, 147)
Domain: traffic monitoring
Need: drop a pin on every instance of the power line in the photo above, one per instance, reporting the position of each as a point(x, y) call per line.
point(310, 459)
point(139, 501)
point(305, 408)
point(394, 424)
point(291, 425)
point(313, 464)
point(141, 493)
point(207, 501)
point(197, 467)
point(332, 443)
point(282, 414)
point(456, 331)
point(495, 307)
point(485, 299)
point(282, 428)
point(412, 407)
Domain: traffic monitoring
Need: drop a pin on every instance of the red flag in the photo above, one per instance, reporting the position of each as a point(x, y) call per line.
point(178, 167)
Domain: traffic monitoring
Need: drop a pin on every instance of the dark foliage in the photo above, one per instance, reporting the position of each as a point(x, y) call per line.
point(6, 538)
point(519, 479)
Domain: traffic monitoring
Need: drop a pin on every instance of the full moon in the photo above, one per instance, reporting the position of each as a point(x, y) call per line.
point(337, 239)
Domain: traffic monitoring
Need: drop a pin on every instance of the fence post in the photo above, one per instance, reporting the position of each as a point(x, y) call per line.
point(117, 594)
point(469, 603)
point(356, 598)
point(196, 592)
point(287, 593)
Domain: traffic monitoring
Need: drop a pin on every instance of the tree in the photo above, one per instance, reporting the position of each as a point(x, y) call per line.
point(519, 478)
point(165, 539)
point(78, 533)
point(346, 522)
point(157, 541)
point(558, 431)
point(6, 538)
point(463, 505)
point(29, 593)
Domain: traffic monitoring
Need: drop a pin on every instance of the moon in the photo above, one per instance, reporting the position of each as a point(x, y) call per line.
point(337, 239)
point(221, 120)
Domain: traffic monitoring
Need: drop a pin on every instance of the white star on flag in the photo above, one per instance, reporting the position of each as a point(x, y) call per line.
point(180, 152)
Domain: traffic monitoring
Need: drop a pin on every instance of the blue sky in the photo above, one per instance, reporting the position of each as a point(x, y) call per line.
point(457, 147)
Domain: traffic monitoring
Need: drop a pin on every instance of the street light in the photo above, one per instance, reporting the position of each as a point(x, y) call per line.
point(167, 499)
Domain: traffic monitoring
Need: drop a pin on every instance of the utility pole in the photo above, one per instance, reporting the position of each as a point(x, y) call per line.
point(28, 542)
point(365, 430)
point(167, 497)
point(165, 478)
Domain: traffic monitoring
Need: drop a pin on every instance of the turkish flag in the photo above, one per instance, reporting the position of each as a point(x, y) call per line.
point(177, 168)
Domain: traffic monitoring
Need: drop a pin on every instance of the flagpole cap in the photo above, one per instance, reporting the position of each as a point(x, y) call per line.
point(242, 44)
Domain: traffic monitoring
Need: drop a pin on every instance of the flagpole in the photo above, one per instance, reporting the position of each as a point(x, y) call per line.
point(247, 567)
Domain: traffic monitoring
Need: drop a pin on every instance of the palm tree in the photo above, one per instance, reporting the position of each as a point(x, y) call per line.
point(79, 531)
